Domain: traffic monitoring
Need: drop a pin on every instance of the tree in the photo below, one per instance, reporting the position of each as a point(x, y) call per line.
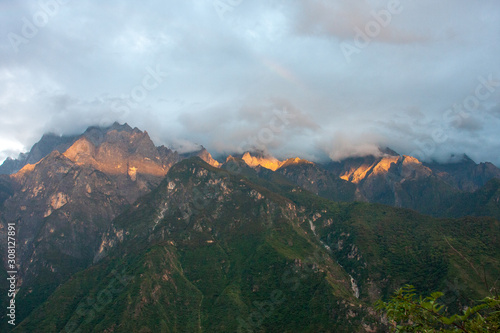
point(408, 312)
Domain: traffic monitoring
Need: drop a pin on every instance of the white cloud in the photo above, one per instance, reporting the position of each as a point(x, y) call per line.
point(226, 75)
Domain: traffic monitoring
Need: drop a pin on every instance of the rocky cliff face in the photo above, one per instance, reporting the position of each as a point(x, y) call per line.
point(404, 181)
point(392, 179)
point(68, 190)
point(211, 251)
point(381, 179)
point(370, 178)
point(204, 155)
point(47, 144)
point(464, 173)
point(64, 201)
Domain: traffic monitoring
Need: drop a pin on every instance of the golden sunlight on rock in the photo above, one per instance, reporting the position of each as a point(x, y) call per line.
point(81, 151)
point(207, 157)
point(270, 163)
point(25, 170)
point(58, 200)
point(211, 161)
point(412, 167)
point(114, 158)
point(410, 160)
point(385, 164)
point(294, 161)
point(132, 172)
point(358, 174)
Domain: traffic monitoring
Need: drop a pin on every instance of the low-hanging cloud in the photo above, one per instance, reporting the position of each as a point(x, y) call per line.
point(190, 76)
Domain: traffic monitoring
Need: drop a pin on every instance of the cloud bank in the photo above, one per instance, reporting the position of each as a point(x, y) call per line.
point(268, 75)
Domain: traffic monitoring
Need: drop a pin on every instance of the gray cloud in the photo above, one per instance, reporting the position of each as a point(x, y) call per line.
point(470, 124)
point(341, 19)
point(224, 75)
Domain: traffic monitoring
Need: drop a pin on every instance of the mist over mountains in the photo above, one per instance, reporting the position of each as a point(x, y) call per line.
point(289, 165)
point(222, 233)
point(407, 89)
point(383, 176)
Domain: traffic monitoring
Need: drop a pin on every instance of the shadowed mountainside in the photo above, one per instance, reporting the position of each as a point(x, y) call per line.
point(64, 200)
point(209, 250)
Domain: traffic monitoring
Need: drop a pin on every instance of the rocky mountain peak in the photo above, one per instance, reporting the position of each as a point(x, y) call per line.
point(81, 152)
point(295, 161)
point(388, 151)
point(385, 163)
point(48, 143)
point(64, 203)
point(207, 157)
point(270, 162)
point(118, 149)
point(204, 155)
point(463, 173)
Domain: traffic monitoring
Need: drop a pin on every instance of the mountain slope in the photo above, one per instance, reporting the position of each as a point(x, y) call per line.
point(47, 144)
point(431, 240)
point(465, 174)
point(65, 201)
point(402, 181)
point(483, 202)
point(62, 204)
point(208, 250)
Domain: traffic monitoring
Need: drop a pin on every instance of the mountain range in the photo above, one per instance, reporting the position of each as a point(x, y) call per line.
point(116, 234)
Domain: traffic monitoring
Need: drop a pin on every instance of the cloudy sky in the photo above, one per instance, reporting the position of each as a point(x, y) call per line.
point(314, 78)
